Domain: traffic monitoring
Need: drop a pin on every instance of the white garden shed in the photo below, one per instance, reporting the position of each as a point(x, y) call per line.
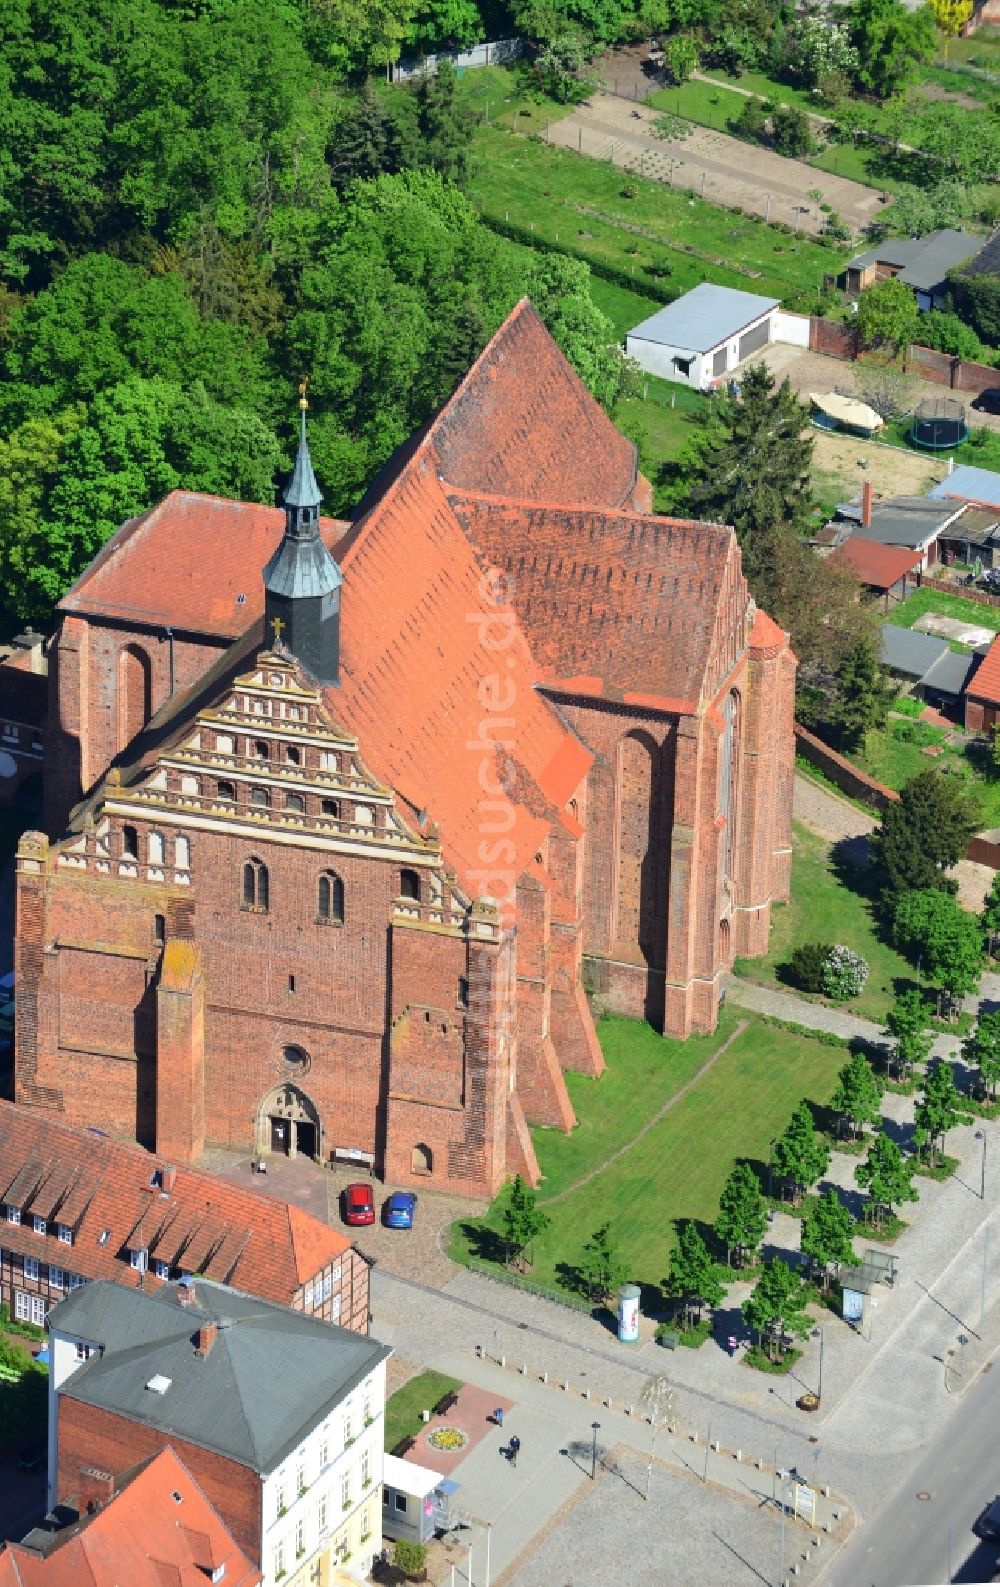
point(703, 335)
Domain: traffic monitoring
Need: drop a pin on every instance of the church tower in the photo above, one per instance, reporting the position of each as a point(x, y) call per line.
point(302, 581)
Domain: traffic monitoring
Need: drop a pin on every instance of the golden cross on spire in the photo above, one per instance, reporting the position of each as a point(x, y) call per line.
point(277, 623)
point(303, 388)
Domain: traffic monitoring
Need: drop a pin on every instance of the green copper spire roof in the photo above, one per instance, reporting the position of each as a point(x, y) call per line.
point(303, 490)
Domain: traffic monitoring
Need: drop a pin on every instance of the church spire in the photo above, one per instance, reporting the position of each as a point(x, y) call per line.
point(302, 581)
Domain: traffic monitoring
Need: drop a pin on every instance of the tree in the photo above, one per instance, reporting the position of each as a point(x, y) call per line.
point(446, 123)
point(906, 1022)
point(982, 1048)
point(808, 964)
point(865, 693)
point(602, 1266)
point(750, 122)
point(924, 832)
point(989, 920)
point(890, 43)
point(887, 315)
point(827, 1235)
point(680, 56)
point(814, 46)
point(946, 333)
point(742, 1220)
point(858, 1095)
point(444, 25)
point(138, 441)
point(753, 462)
point(951, 16)
point(692, 1279)
point(564, 68)
point(776, 1307)
point(521, 1222)
point(938, 1110)
point(943, 938)
point(844, 973)
point(790, 133)
point(800, 1155)
point(886, 1176)
point(560, 290)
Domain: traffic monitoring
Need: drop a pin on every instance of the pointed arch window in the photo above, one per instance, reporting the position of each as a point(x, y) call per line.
point(330, 900)
point(256, 885)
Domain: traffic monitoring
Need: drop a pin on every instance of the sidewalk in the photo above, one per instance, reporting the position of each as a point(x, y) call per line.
point(558, 1437)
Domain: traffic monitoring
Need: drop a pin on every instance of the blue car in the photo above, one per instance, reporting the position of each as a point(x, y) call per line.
point(399, 1210)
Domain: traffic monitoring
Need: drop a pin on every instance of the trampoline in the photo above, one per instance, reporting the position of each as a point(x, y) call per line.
point(939, 423)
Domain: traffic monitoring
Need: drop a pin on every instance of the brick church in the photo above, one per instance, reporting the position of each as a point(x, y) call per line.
point(347, 819)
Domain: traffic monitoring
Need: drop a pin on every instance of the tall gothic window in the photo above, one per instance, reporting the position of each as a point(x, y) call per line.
point(409, 884)
point(135, 689)
point(256, 888)
point(330, 900)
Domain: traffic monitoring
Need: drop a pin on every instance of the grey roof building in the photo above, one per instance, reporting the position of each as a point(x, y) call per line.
point(701, 336)
point(910, 652)
point(235, 1375)
point(914, 521)
point(922, 263)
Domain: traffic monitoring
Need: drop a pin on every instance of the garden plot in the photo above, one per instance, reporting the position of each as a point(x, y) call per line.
point(716, 166)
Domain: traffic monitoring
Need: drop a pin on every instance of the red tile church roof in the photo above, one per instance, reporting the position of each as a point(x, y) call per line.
point(158, 1531)
point(438, 683)
point(185, 564)
point(539, 436)
point(633, 595)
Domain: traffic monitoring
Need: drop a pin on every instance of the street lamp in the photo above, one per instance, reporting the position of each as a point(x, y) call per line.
point(981, 1136)
point(593, 1453)
point(770, 1168)
point(817, 1333)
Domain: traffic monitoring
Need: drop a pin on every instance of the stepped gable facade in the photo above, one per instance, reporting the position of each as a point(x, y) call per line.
point(338, 877)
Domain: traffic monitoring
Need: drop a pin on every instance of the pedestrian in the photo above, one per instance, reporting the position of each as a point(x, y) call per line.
point(498, 1415)
point(515, 1445)
point(734, 1345)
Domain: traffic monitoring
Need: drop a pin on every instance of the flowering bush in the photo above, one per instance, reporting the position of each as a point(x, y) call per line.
point(844, 974)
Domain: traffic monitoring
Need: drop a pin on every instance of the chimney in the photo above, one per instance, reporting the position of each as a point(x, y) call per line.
point(185, 1292)
point(168, 1176)
point(866, 504)
point(206, 1338)
point(34, 643)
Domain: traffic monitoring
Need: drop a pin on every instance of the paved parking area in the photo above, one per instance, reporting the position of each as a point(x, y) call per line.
point(419, 1252)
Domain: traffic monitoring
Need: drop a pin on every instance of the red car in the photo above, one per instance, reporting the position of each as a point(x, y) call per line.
point(359, 1204)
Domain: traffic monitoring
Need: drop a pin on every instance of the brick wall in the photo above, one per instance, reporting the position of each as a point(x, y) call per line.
point(946, 370)
point(90, 1437)
point(841, 772)
point(834, 338)
point(979, 597)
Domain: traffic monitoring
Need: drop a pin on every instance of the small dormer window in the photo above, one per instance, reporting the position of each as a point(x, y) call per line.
point(161, 1269)
point(139, 1259)
point(39, 1225)
point(65, 1233)
point(104, 1237)
point(13, 1214)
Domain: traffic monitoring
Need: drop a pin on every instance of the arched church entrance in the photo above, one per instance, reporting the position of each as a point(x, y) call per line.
point(288, 1122)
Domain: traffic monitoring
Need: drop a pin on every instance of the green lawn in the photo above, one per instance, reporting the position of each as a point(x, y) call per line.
point(906, 613)
point(624, 309)
point(823, 908)
point(678, 1169)
point(583, 204)
point(402, 1409)
point(982, 450)
point(714, 103)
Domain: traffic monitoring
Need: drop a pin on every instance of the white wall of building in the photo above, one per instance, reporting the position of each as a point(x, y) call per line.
point(660, 358)
point(338, 1467)
point(67, 1353)
point(790, 328)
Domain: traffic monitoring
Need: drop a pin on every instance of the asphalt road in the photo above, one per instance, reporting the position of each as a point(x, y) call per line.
point(924, 1542)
